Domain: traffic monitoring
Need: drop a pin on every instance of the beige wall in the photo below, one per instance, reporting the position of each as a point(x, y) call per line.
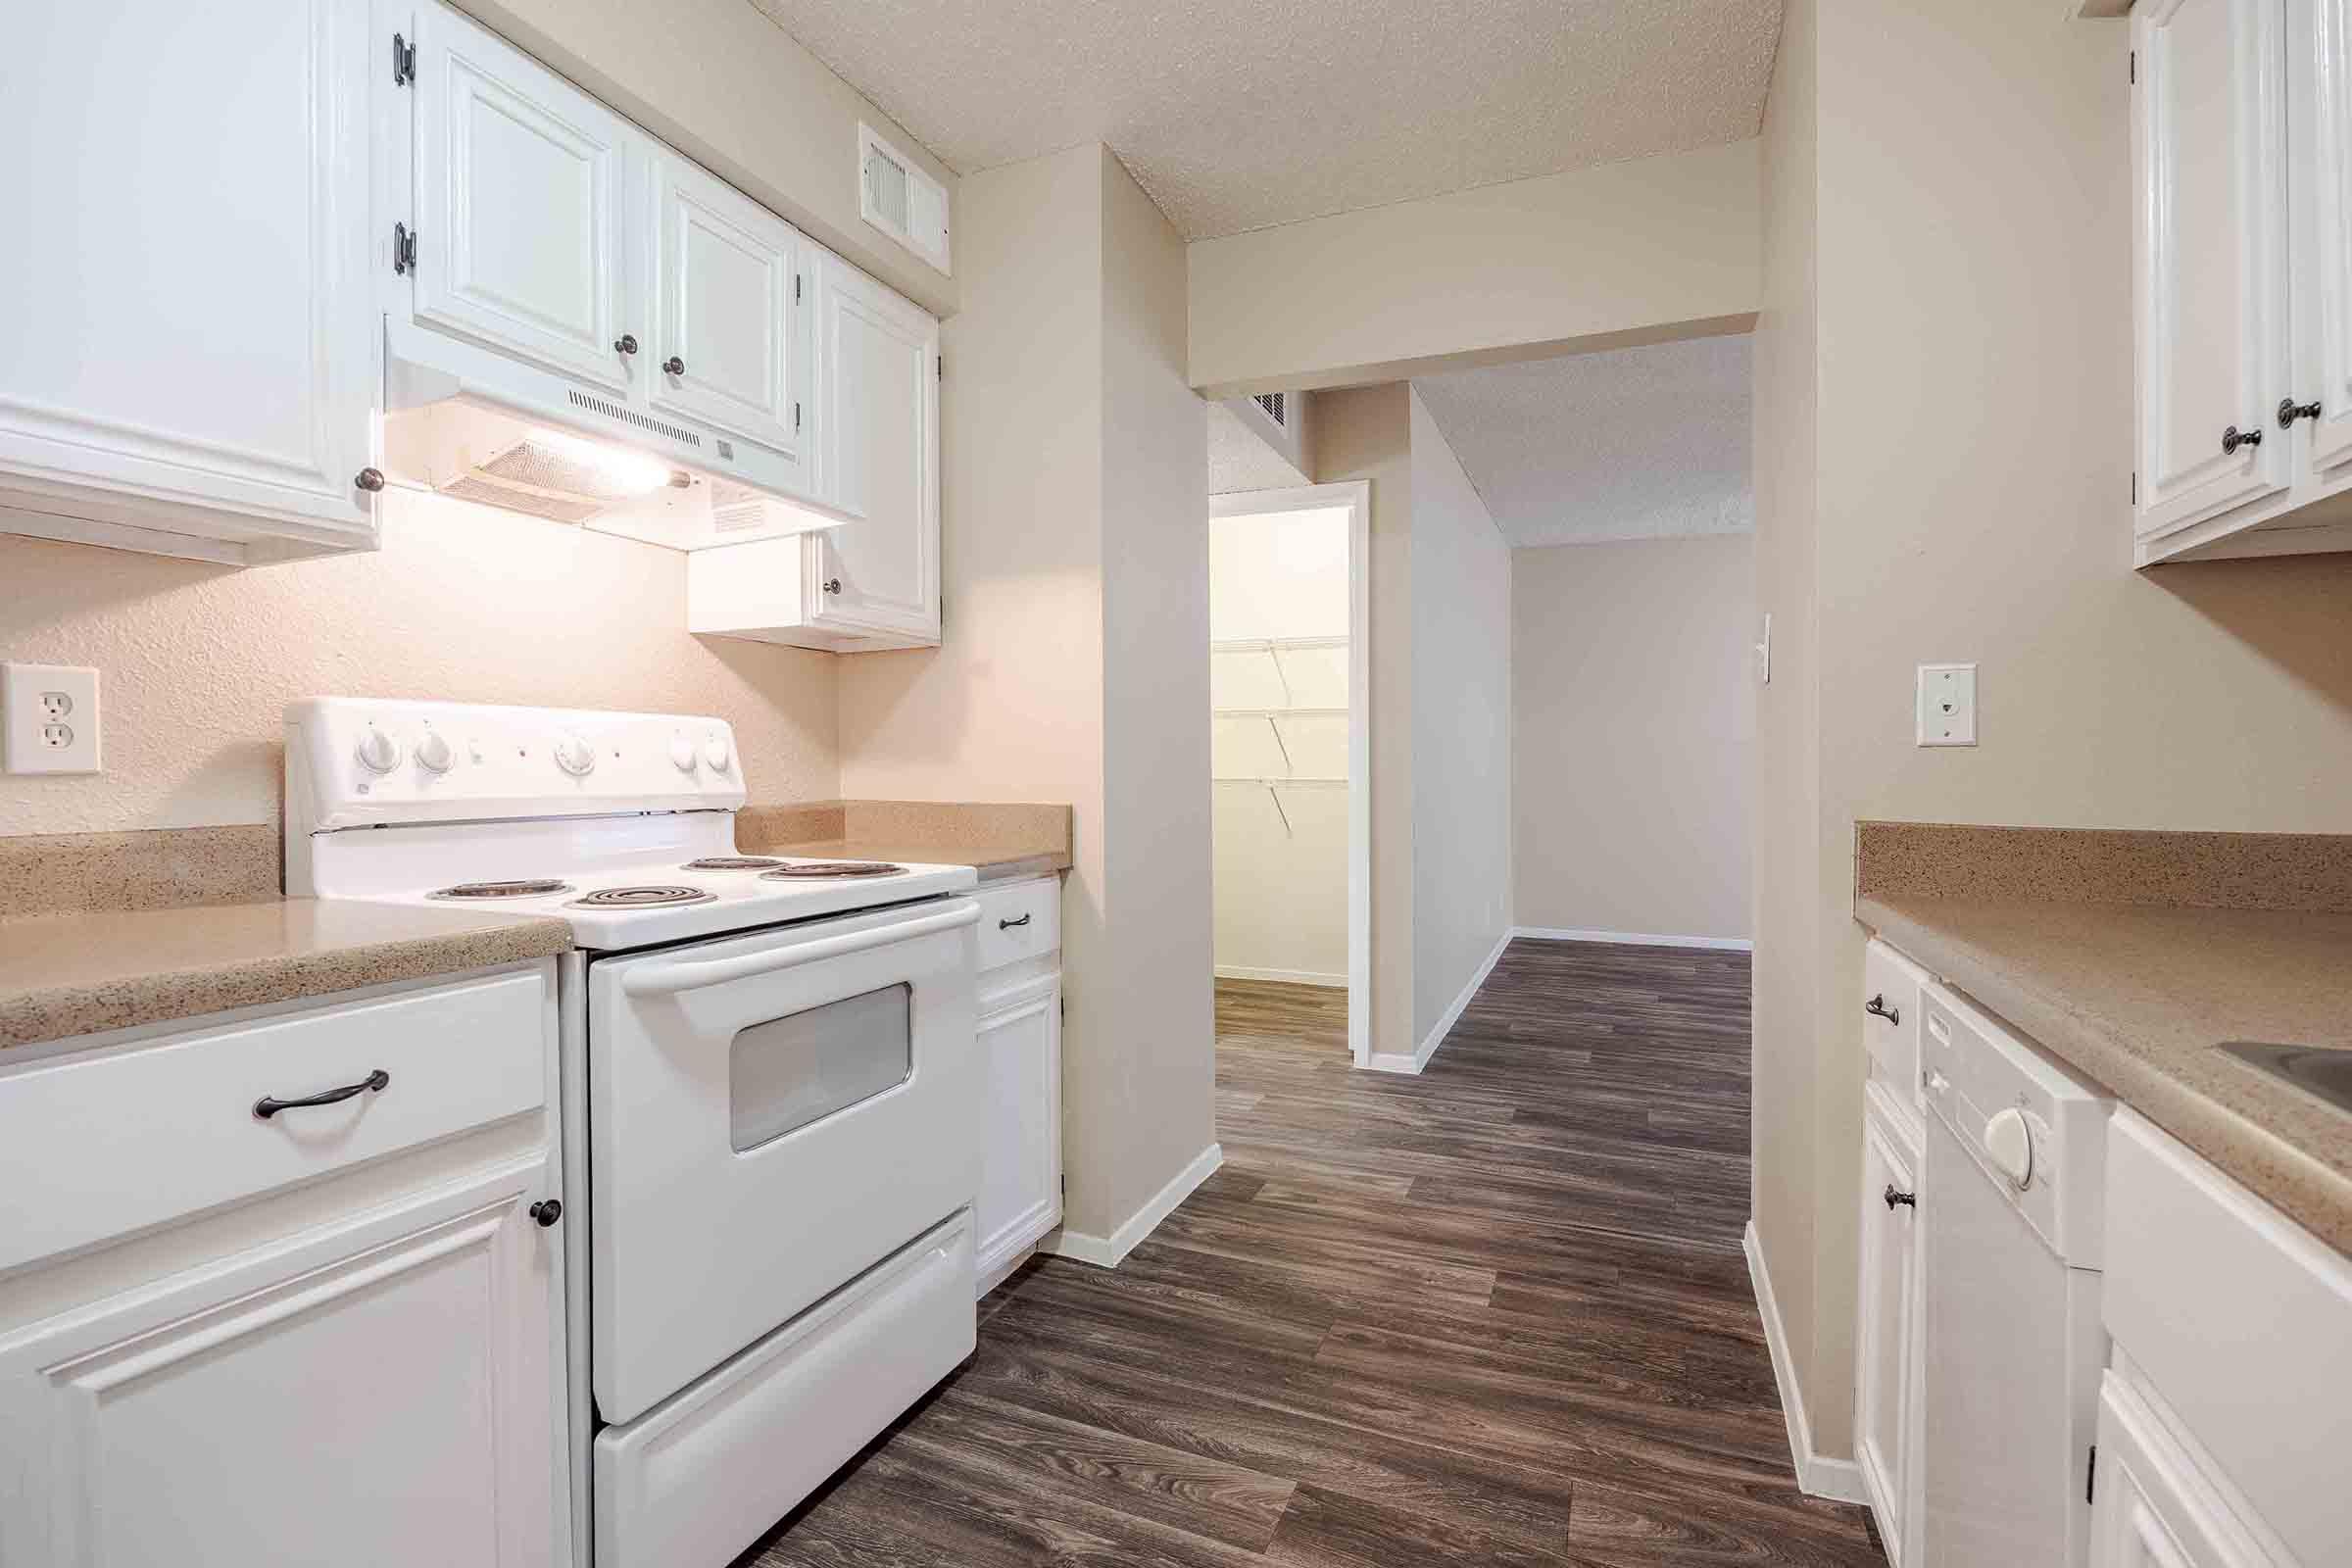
point(1160, 1076)
point(730, 88)
point(1787, 784)
point(1074, 549)
point(1462, 728)
point(1632, 731)
point(1656, 246)
point(463, 602)
point(1982, 513)
point(1367, 434)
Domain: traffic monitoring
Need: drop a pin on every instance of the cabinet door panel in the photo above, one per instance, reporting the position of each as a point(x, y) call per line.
point(1887, 1340)
point(519, 192)
point(881, 394)
point(172, 331)
point(2322, 147)
point(726, 307)
point(1020, 1180)
point(386, 1393)
point(2152, 1506)
point(2209, 182)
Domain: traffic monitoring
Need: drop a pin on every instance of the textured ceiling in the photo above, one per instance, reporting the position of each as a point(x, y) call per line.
point(1236, 114)
point(1641, 443)
point(1238, 458)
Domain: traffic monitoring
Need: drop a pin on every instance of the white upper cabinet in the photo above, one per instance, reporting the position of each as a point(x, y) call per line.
point(728, 309)
point(188, 365)
point(521, 182)
point(2243, 273)
point(880, 374)
point(2212, 274)
point(2320, 141)
point(874, 583)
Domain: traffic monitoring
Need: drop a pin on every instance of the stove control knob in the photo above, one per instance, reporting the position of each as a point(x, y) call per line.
point(377, 752)
point(574, 756)
point(2009, 1145)
point(434, 754)
point(681, 754)
point(716, 754)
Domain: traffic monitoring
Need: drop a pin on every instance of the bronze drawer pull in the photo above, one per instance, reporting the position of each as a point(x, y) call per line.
point(269, 1105)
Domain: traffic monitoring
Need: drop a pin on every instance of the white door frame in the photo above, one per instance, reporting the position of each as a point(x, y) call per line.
point(1355, 495)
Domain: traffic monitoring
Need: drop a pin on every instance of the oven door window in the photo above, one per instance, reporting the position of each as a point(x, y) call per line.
point(788, 1072)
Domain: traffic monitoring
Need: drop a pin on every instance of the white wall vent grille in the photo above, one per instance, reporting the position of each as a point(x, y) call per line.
point(897, 197)
point(1274, 405)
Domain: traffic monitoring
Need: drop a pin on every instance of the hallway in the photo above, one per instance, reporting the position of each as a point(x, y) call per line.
point(1497, 1313)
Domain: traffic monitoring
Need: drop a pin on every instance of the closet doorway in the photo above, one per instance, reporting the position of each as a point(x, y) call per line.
point(1290, 745)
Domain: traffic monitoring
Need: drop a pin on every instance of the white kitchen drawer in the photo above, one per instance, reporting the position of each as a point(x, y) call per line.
point(127, 1138)
point(2241, 1321)
point(704, 1474)
point(1020, 921)
point(1889, 1018)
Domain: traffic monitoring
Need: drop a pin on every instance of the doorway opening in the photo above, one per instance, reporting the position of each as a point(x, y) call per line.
point(1291, 753)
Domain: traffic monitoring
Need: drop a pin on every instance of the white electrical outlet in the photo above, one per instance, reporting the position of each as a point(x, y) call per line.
point(52, 718)
point(1947, 704)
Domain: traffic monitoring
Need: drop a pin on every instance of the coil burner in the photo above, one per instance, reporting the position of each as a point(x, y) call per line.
point(648, 897)
point(810, 870)
point(502, 890)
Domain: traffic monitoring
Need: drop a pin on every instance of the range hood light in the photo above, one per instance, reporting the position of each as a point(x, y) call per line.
point(631, 473)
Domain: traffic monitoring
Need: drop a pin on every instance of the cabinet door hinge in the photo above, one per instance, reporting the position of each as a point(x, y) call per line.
point(938, 368)
point(404, 61)
point(2135, 68)
point(2136, 487)
point(2090, 1479)
point(403, 248)
point(795, 415)
point(796, 288)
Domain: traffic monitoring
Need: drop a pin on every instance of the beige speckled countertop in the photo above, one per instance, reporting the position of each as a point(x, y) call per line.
point(995, 862)
point(76, 974)
point(2137, 997)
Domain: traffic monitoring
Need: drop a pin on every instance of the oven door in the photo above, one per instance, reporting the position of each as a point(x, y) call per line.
point(768, 1117)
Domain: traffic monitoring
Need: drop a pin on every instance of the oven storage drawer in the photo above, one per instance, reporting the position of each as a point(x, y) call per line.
point(701, 1476)
point(769, 1116)
point(1020, 921)
point(175, 1121)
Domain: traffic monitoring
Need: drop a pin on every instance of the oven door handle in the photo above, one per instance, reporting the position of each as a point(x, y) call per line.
point(668, 979)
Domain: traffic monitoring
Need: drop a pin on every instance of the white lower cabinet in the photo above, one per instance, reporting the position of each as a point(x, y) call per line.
point(379, 1393)
point(1019, 1041)
point(2152, 1506)
point(1888, 1367)
point(356, 1364)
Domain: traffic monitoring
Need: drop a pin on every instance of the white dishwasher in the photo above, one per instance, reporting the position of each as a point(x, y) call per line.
point(2011, 1212)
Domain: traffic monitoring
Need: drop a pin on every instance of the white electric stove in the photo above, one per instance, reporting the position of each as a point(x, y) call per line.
point(768, 1065)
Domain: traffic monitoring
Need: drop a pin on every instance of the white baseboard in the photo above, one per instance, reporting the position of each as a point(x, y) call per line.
point(1288, 977)
point(1106, 1251)
point(1840, 1480)
point(1399, 1061)
point(1633, 939)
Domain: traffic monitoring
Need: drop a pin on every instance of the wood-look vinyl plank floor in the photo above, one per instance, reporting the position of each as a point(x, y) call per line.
point(1496, 1314)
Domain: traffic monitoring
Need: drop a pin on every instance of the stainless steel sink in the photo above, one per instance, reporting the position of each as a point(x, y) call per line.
point(2321, 1071)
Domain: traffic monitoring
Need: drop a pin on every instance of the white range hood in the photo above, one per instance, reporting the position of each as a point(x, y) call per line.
point(480, 425)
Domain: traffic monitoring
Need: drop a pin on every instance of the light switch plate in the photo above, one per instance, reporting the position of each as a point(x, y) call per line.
point(51, 718)
point(1947, 704)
